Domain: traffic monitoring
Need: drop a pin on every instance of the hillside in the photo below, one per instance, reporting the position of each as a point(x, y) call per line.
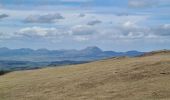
point(139, 78)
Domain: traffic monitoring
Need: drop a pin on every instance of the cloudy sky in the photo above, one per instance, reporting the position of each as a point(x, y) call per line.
point(118, 25)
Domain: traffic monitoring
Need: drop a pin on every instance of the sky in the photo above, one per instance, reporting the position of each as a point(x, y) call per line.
point(118, 25)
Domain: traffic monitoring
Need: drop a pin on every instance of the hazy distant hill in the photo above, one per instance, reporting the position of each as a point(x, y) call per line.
point(146, 77)
point(24, 58)
point(41, 55)
point(27, 65)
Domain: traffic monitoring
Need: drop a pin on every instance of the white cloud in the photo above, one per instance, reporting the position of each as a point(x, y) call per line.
point(129, 24)
point(38, 32)
point(81, 38)
point(46, 18)
point(82, 30)
point(4, 36)
point(148, 3)
point(162, 30)
point(143, 3)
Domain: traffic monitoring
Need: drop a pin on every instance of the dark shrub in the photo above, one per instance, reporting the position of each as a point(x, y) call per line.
point(2, 72)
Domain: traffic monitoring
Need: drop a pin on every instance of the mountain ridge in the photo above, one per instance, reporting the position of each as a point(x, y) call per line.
point(87, 54)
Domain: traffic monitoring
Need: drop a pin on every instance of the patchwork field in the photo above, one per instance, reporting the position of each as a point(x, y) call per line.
point(138, 78)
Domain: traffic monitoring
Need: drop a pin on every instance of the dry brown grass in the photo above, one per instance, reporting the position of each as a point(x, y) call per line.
point(139, 78)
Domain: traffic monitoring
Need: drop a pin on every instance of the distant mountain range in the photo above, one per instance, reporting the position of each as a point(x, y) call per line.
point(25, 59)
point(45, 55)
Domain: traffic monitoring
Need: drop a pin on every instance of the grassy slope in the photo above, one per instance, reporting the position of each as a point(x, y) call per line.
point(140, 78)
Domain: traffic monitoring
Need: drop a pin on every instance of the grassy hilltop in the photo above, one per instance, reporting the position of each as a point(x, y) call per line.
point(138, 78)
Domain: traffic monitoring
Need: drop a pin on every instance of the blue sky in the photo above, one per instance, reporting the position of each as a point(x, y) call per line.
point(118, 25)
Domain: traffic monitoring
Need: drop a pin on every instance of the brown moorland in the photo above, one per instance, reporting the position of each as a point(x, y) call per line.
point(138, 78)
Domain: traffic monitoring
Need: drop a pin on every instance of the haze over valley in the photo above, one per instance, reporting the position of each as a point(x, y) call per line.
point(20, 59)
